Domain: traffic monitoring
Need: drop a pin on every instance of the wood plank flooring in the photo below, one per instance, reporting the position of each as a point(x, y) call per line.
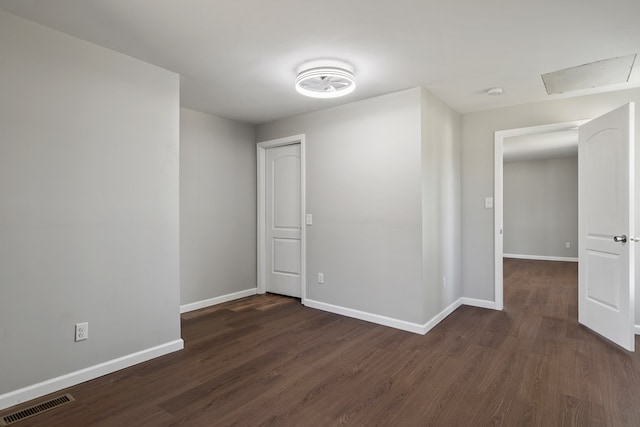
point(269, 361)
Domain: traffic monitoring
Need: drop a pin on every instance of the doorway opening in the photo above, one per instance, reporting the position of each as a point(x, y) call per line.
point(606, 297)
point(499, 153)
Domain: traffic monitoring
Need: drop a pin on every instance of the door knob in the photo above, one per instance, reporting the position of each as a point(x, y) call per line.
point(622, 238)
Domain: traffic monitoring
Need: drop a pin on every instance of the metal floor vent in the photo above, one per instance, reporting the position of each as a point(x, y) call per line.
point(35, 410)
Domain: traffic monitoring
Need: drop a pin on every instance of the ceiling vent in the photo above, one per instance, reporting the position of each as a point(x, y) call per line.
point(594, 74)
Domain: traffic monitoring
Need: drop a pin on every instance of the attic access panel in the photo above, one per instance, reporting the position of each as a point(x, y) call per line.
point(594, 74)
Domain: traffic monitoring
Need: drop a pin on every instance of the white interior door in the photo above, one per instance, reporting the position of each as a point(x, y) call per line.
point(606, 247)
point(283, 220)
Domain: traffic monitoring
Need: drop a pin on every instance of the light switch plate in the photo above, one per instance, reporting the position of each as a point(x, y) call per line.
point(488, 202)
point(309, 219)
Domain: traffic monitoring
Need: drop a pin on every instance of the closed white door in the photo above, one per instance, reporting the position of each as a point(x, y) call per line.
point(283, 220)
point(606, 222)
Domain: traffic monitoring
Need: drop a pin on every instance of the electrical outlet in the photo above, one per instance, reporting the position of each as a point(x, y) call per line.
point(444, 282)
point(321, 278)
point(82, 331)
point(567, 245)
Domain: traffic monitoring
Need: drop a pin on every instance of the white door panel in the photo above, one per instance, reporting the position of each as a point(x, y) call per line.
point(286, 256)
point(283, 220)
point(606, 267)
point(285, 167)
point(605, 215)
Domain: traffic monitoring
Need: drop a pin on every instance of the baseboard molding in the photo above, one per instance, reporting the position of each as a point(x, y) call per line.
point(440, 316)
point(637, 329)
point(217, 300)
point(416, 328)
point(363, 315)
point(541, 257)
point(478, 303)
point(50, 386)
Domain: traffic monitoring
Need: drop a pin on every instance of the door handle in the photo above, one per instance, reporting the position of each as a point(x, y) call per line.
point(622, 238)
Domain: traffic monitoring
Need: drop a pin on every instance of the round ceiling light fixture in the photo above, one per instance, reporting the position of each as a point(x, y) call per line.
point(325, 81)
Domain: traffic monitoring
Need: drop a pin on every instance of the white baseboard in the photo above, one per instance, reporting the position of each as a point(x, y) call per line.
point(440, 316)
point(637, 328)
point(478, 303)
point(363, 315)
point(541, 257)
point(384, 320)
point(217, 300)
point(54, 384)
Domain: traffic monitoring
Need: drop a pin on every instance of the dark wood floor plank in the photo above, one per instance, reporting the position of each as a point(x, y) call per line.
point(267, 360)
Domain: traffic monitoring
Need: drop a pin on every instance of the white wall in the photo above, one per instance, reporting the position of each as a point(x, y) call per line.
point(364, 191)
point(89, 142)
point(477, 176)
point(441, 244)
point(541, 207)
point(383, 185)
point(217, 207)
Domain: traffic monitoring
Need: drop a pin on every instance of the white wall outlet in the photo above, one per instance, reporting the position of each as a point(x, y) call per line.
point(82, 331)
point(321, 278)
point(309, 219)
point(444, 282)
point(488, 202)
point(567, 245)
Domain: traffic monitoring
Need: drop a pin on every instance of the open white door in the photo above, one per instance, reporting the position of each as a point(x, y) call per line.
point(606, 226)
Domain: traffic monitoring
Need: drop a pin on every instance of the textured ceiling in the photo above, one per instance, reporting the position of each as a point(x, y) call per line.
point(238, 59)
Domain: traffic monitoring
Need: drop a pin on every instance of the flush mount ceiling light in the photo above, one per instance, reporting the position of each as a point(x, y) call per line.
point(325, 81)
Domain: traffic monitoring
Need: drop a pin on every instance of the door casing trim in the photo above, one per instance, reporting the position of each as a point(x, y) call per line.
point(261, 152)
point(498, 224)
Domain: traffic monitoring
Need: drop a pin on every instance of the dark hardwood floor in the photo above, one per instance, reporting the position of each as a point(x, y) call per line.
point(267, 360)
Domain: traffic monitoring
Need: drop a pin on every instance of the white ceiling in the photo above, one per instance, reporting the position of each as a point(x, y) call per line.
point(238, 58)
point(540, 146)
